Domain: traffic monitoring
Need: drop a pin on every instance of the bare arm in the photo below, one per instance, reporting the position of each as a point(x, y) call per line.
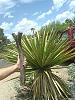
point(5, 72)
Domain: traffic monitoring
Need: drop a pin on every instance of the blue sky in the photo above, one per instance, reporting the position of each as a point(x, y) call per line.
point(22, 15)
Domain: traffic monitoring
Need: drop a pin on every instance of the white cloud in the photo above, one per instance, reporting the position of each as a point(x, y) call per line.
point(25, 25)
point(58, 3)
point(72, 5)
point(7, 29)
point(9, 36)
point(6, 26)
point(5, 5)
point(36, 13)
point(44, 14)
point(29, 1)
point(47, 22)
point(48, 12)
point(67, 14)
point(41, 16)
point(8, 14)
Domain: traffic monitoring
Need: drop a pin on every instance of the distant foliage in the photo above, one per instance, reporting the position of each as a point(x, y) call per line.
point(3, 40)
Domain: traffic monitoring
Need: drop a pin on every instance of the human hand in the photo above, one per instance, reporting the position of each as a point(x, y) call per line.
point(21, 62)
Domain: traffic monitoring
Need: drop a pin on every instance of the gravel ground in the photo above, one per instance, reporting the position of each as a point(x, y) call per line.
point(7, 90)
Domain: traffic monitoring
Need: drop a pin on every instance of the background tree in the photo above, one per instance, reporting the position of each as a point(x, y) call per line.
point(3, 42)
point(3, 39)
point(57, 26)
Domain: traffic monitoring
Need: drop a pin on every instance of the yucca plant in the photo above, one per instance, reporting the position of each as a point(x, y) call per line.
point(43, 53)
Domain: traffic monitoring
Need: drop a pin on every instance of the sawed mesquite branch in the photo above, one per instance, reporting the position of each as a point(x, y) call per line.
point(17, 39)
